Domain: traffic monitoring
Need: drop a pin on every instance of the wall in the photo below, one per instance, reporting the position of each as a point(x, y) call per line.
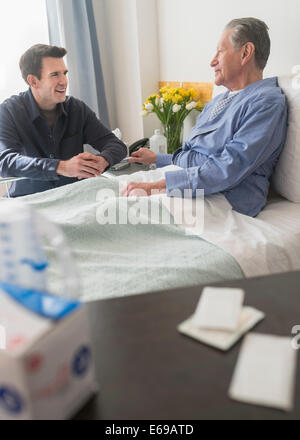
point(189, 31)
point(149, 57)
point(20, 28)
point(145, 41)
point(127, 32)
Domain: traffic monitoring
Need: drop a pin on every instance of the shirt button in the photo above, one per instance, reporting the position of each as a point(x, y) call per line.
point(52, 156)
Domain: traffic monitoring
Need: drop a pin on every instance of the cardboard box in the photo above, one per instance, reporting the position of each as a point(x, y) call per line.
point(46, 366)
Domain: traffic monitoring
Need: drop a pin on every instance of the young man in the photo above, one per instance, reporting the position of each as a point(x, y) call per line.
point(237, 139)
point(42, 131)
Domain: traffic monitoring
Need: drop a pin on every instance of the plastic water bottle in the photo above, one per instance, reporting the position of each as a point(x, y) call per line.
point(22, 259)
point(158, 143)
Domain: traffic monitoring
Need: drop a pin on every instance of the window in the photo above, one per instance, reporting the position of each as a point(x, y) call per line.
point(22, 24)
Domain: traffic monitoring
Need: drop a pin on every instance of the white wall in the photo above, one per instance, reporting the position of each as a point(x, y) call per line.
point(117, 30)
point(20, 28)
point(149, 57)
point(189, 31)
point(127, 32)
point(145, 41)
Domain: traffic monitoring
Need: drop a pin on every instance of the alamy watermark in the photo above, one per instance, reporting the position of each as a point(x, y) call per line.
point(185, 208)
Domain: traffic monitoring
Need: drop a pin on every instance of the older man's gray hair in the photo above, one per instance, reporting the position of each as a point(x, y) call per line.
point(251, 30)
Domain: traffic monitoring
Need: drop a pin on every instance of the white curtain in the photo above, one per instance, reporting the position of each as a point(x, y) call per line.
point(20, 29)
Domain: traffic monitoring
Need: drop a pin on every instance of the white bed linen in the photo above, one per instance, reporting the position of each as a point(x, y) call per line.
point(267, 244)
point(264, 245)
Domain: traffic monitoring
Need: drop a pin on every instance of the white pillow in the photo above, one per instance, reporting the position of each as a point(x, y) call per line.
point(286, 177)
point(217, 90)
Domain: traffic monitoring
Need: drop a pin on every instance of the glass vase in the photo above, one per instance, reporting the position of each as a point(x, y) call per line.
point(173, 133)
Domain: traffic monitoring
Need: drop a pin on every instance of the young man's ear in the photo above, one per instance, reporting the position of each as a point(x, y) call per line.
point(32, 80)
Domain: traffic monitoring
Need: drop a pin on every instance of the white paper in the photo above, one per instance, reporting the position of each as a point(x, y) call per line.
point(219, 308)
point(223, 340)
point(265, 371)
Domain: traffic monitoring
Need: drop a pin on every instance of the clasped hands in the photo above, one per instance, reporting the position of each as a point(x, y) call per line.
point(82, 166)
point(146, 157)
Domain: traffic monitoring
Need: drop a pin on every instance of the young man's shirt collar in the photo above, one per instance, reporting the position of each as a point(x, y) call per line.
point(33, 108)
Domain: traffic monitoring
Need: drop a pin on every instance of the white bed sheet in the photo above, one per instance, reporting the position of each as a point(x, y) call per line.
point(267, 244)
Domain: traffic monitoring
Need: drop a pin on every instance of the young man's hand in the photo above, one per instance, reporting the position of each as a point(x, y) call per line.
point(82, 166)
point(144, 156)
point(143, 189)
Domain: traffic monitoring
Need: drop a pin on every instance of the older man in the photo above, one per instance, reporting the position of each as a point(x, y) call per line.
point(237, 139)
point(42, 131)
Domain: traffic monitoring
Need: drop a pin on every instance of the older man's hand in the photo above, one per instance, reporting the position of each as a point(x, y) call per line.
point(82, 166)
point(143, 189)
point(144, 156)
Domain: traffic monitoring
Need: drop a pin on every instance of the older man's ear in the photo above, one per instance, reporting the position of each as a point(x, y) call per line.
point(248, 52)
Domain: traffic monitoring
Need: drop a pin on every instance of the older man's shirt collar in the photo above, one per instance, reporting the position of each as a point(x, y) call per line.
point(270, 82)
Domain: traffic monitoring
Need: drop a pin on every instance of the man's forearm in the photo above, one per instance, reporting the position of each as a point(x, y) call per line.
point(13, 164)
point(114, 150)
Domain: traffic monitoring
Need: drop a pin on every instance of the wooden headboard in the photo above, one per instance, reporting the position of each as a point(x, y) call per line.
point(204, 89)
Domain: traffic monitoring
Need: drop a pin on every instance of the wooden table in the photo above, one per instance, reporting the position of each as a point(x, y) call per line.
point(147, 370)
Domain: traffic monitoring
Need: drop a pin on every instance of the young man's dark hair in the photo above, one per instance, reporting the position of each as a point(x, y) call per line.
point(31, 61)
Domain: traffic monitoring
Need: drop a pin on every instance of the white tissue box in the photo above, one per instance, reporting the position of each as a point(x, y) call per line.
point(46, 366)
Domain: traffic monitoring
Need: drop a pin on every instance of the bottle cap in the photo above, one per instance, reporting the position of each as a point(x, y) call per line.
point(157, 131)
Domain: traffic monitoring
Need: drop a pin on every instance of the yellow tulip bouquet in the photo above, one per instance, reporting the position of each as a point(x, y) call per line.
point(172, 105)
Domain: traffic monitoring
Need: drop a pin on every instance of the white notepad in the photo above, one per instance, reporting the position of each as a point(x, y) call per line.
point(265, 372)
point(222, 340)
point(219, 308)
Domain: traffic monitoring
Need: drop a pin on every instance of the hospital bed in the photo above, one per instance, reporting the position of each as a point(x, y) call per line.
point(116, 260)
point(123, 259)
